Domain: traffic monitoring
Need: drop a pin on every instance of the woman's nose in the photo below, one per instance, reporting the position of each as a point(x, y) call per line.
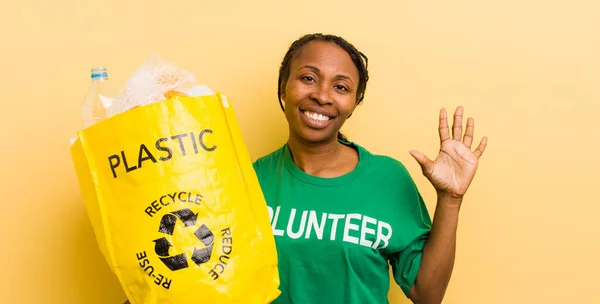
point(322, 94)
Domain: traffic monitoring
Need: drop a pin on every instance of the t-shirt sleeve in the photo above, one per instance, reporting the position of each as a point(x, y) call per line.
point(406, 261)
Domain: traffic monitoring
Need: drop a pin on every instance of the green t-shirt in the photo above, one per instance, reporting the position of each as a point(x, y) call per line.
point(335, 236)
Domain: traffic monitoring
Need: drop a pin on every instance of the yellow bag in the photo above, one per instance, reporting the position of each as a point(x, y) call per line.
point(176, 206)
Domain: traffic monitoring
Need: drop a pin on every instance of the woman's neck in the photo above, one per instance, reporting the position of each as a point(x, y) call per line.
point(328, 159)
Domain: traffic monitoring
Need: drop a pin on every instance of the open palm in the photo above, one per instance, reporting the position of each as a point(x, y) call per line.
point(453, 169)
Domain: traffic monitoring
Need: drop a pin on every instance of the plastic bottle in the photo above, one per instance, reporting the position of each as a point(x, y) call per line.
point(98, 99)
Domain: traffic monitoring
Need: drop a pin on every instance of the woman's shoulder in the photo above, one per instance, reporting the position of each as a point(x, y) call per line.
point(384, 163)
point(390, 173)
point(274, 158)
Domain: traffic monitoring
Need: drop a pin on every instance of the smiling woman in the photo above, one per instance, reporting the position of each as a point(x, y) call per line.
point(351, 81)
point(341, 215)
point(319, 100)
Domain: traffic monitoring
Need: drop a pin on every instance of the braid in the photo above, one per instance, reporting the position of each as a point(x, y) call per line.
point(358, 58)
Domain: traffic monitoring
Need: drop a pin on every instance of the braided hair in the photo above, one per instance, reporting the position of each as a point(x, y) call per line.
point(358, 58)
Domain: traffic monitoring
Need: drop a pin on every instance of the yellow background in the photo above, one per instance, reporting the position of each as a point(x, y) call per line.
point(528, 72)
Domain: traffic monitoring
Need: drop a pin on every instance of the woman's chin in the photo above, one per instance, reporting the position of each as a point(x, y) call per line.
point(315, 137)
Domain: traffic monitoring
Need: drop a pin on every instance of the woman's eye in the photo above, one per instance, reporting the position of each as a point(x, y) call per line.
point(307, 78)
point(341, 87)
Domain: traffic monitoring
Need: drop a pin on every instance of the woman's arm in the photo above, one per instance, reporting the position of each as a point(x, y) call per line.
point(450, 174)
point(437, 261)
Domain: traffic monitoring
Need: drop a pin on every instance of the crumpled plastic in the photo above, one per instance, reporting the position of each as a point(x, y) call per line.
point(154, 81)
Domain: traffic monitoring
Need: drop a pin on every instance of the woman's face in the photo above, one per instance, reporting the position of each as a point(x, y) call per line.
point(320, 92)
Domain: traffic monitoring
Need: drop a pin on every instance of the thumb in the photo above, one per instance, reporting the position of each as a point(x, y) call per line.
point(424, 161)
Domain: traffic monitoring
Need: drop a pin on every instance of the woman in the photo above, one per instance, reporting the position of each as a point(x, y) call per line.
point(340, 213)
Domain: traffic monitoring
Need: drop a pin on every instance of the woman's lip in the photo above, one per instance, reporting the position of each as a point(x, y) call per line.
point(318, 111)
point(316, 124)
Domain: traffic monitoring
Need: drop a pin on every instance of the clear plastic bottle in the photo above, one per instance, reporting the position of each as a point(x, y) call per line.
point(98, 99)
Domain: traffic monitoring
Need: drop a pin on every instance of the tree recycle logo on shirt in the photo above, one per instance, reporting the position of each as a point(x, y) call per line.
point(184, 226)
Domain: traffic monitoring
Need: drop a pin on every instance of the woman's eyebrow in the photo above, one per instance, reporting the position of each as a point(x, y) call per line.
point(313, 68)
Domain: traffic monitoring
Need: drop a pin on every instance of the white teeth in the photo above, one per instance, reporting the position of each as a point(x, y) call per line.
point(316, 116)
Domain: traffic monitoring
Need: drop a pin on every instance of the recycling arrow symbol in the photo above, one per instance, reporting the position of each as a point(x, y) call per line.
point(167, 226)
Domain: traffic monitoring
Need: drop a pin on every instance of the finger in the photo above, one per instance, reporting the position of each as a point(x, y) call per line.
point(424, 161)
point(443, 126)
point(468, 139)
point(481, 147)
point(457, 124)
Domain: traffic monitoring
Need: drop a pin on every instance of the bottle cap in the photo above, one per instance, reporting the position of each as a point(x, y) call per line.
point(99, 72)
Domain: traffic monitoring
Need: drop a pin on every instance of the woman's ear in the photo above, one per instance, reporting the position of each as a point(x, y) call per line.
point(282, 94)
point(282, 103)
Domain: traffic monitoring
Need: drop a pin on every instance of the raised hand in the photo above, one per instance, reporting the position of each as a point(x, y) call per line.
point(453, 169)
